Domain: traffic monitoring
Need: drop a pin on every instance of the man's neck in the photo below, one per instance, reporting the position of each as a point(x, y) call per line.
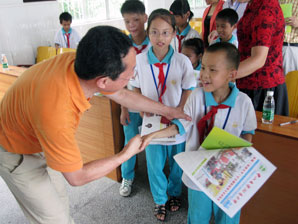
point(88, 88)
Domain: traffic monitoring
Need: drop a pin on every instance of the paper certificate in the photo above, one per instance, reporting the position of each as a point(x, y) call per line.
point(229, 177)
point(153, 123)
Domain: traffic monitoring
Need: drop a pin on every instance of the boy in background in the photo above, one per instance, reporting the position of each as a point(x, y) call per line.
point(226, 22)
point(219, 103)
point(66, 37)
point(133, 13)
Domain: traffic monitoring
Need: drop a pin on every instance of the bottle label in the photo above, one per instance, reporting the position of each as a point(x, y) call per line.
point(268, 114)
point(5, 65)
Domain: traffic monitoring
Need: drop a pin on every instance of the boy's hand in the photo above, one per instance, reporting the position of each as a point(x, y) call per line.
point(124, 116)
point(146, 139)
point(212, 36)
point(134, 146)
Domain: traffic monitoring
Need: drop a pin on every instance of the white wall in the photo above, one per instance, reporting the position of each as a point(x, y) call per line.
point(25, 26)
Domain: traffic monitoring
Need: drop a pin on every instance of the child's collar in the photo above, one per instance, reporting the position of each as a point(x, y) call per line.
point(153, 59)
point(145, 42)
point(184, 32)
point(63, 31)
point(230, 101)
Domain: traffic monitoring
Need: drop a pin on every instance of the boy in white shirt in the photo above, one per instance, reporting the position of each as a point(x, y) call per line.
point(219, 104)
point(66, 37)
point(226, 22)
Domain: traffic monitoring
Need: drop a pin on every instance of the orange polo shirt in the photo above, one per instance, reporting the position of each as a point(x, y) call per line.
point(41, 112)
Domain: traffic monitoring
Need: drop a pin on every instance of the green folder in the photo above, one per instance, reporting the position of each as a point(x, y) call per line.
point(287, 11)
point(220, 139)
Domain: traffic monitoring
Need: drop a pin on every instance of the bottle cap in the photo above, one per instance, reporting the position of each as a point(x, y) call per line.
point(270, 93)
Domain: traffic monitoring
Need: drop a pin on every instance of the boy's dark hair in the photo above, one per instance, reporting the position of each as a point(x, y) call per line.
point(196, 44)
point(65, 16)
point(232, 53)
point(100, 53)
point(162, 14)
point(132, 6)
point(180, 7)
point(228, 15)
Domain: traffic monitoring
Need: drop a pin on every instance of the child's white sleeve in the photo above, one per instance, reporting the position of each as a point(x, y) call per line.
point(58, 39)
point(188, 79)
point(184, 125)
point(250, 123)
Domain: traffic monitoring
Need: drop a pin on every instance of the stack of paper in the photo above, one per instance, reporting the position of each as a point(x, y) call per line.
point(226, 169)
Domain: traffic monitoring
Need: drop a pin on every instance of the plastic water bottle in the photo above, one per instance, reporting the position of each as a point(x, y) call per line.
point(4, 62)
point(268, 108)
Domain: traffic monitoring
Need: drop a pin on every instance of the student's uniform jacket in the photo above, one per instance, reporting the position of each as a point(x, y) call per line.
point(180, 77)
point(186, 34)
point(61, 38)
point(241, 119)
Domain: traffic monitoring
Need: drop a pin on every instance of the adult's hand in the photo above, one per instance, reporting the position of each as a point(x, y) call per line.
point(175, 113)
point(292, 21)
point(101, 167)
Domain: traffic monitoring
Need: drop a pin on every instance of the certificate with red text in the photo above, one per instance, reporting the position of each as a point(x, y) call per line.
point(229, 177)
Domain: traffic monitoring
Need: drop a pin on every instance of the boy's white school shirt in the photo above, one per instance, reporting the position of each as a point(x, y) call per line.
point(188, 32)
point(74, 38)
point(242, 118)
point(180, 77)
point(233, 40)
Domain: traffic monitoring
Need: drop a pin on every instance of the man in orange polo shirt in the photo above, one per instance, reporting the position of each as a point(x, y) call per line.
point(40, 113)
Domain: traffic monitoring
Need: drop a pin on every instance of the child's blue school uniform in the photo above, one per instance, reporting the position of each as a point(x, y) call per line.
point(238, 119)
point(179, 76)
point(132, 129)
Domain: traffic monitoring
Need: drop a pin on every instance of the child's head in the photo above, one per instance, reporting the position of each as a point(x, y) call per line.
point(181, 11)
point(193, 48)
point(219, 66)
point(65, 20)
point(133, 13)
point(226, 21)
point(161, 28)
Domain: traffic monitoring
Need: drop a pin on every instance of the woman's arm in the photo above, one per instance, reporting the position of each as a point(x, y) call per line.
point(254, 62)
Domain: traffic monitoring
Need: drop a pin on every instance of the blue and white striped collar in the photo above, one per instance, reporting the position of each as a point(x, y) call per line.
point(230, 101)
point(153, 59)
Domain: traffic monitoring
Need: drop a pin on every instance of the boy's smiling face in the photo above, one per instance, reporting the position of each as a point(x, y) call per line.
point(224, 29)
point(216, 73)
point(134, 23)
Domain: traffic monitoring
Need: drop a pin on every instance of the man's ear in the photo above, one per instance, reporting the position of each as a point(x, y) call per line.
point(102, 82)
point(234, 26)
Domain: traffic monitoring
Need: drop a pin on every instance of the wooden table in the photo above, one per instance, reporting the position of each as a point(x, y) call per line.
point(99, 134)
point(277, 201)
